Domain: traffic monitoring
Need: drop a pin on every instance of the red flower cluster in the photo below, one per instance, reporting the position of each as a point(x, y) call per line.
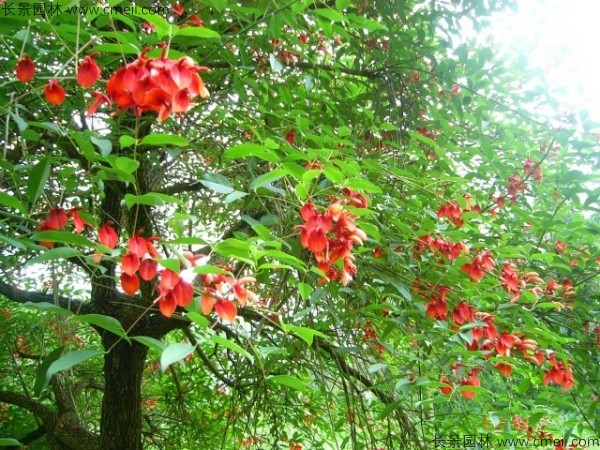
point(331, 236)
point(57, 219)
point(477, 268)
point(509, 280)
point(559, 373)
point(437, 308)
point(448, 249)
point(154, 84)
point(452, 211)
point(514, 186)
point(221, 290)
point(534, 169)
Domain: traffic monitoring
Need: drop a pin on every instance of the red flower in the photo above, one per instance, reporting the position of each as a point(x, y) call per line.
point(473, 380)
point(226, 310)
point(463, 313)
point(195, 21)
point(45, 227)
point(108, 236)
point(78, 221)
point(88, 72)
point(100, 99)
point(177, 9)
point(446, 390)
point(130, 283)
point(137, 246)
point(510, 281)
point(452, 211)
point(54, 92)
point(25, 69)
point(559, 373)
point(291, 137)
point(130, 264)
point(148, 269)
point(57, 219)
point(355, 198)
point(477, 268)
point(504, 369)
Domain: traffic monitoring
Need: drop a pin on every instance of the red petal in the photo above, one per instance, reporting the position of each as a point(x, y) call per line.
point(108, 236)
point(137, 246)
point(308, 211)
point(226, 310)
point(130, 264)
point(208, 302)
point(167, 305)
point(317, 241)
point(130, 283)
point(57, 219)
point(168, 279)
point(78, 222)
point(183, 293)
point(148, 269)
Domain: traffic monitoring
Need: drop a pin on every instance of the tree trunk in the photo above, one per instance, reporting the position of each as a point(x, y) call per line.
point(121, 424)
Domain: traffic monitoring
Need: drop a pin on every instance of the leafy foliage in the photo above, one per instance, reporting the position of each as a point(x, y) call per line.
point(349, 232)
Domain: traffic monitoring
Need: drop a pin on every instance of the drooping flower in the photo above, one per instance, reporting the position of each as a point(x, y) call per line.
point(509, 280)
point(54, 92)
point(108, 236)
point(291, 137)
point(479, 266)
point(25, 69)
point(472, 380)
point(57, 218)
point(88, 72)
point(148, 269)
point(452, 211)
point(130, 283)
point(447, 389)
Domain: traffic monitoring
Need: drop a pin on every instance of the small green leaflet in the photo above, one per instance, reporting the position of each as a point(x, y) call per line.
point(106, 322)
point(251, 151)
point(54, 253)
point(288, 381)
point(224, 342)
point(38, 175)
point(174, 353)
point(162, 140)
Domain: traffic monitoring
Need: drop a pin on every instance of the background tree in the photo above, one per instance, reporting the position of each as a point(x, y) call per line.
point(349, 230)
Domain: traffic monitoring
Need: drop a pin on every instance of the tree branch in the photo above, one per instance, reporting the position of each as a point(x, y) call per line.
point(22, 401)
point(21, 296)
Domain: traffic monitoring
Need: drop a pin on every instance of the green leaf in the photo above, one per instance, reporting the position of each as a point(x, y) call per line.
point(104, 145)
point(127, 165)
point(173, 264)
point(198, 32)
point(69, 360)
point(41, 380)
point(38, 175)
point(150, 199)
point(174, 353)
point(55, 253)
point(305, 290)
point(12, 202)
point(330, 14)
point(288, 381)
point(251, 151)
point(268, 178)
point(64, 237)
point(150, 342)
point(48, 307)
point(106, 322)
point(304, 333)
point(126, 141)
point(224, 342)
point(198, 319)
point(10, 442)
point(164, 140)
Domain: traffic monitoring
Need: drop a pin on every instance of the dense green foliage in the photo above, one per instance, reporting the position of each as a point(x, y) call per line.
point(371, 112)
